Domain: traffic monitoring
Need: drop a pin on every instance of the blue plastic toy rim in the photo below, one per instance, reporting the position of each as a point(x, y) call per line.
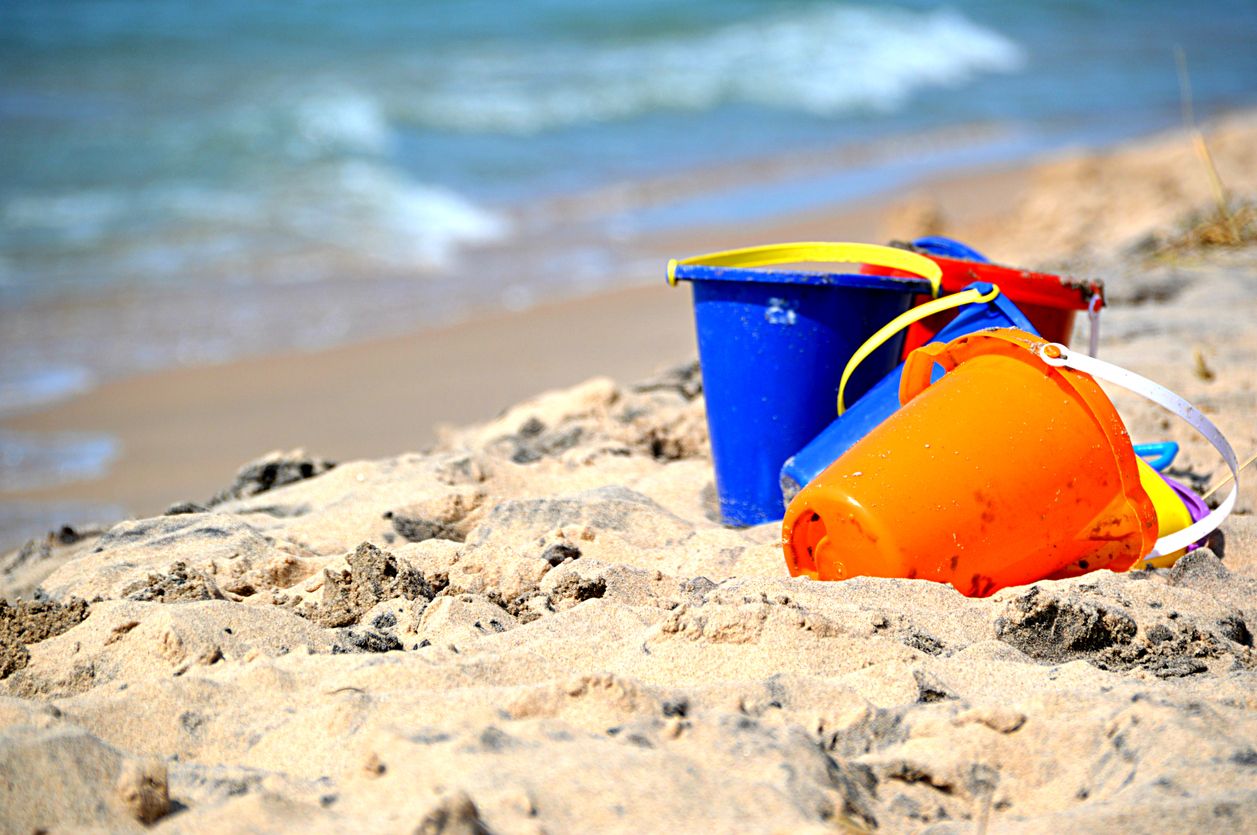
point(949, 248)
point(698, 272)
point(1159, 455)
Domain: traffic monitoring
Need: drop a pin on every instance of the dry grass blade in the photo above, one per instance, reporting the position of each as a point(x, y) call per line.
point(1229, 477)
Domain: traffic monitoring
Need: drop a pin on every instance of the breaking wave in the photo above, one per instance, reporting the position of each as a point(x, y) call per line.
point(822, 61)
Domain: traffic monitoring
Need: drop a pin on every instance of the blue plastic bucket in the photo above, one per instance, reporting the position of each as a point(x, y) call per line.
point(773, 346)
point(882, 400)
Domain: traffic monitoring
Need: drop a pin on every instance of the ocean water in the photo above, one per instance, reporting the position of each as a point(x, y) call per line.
point(186, 183)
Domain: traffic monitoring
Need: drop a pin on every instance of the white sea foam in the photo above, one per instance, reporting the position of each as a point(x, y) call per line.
point(362, 206)
point(370, 207)
point(29, 461)
point(27, 388)
point(823, 61)
point(311, 166)
point(77, 218)
point(300, 120)
point(343, 119)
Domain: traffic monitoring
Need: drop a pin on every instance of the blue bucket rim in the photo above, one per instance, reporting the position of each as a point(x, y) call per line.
point(858, 281)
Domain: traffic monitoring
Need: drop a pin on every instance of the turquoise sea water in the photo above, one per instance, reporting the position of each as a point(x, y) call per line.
point(183, 183)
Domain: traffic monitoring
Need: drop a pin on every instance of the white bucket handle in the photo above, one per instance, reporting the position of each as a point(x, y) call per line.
point(1059, 356)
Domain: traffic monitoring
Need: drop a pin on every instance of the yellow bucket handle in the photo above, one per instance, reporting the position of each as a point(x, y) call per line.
point(818, 252)
point(902, 321)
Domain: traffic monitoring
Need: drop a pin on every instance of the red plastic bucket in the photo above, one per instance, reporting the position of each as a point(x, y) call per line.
point(1049, 301)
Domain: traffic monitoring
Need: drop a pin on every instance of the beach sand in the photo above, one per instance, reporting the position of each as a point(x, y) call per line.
point(534, 624)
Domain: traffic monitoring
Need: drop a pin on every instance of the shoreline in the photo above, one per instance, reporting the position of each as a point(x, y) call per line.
point(461, 372)
point(619, 218)
point(363, 400)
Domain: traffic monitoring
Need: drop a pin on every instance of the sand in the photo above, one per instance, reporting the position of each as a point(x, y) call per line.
point(536, 625)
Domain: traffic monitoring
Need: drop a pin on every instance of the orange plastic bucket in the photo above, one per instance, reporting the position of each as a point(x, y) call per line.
point(1005, 471)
